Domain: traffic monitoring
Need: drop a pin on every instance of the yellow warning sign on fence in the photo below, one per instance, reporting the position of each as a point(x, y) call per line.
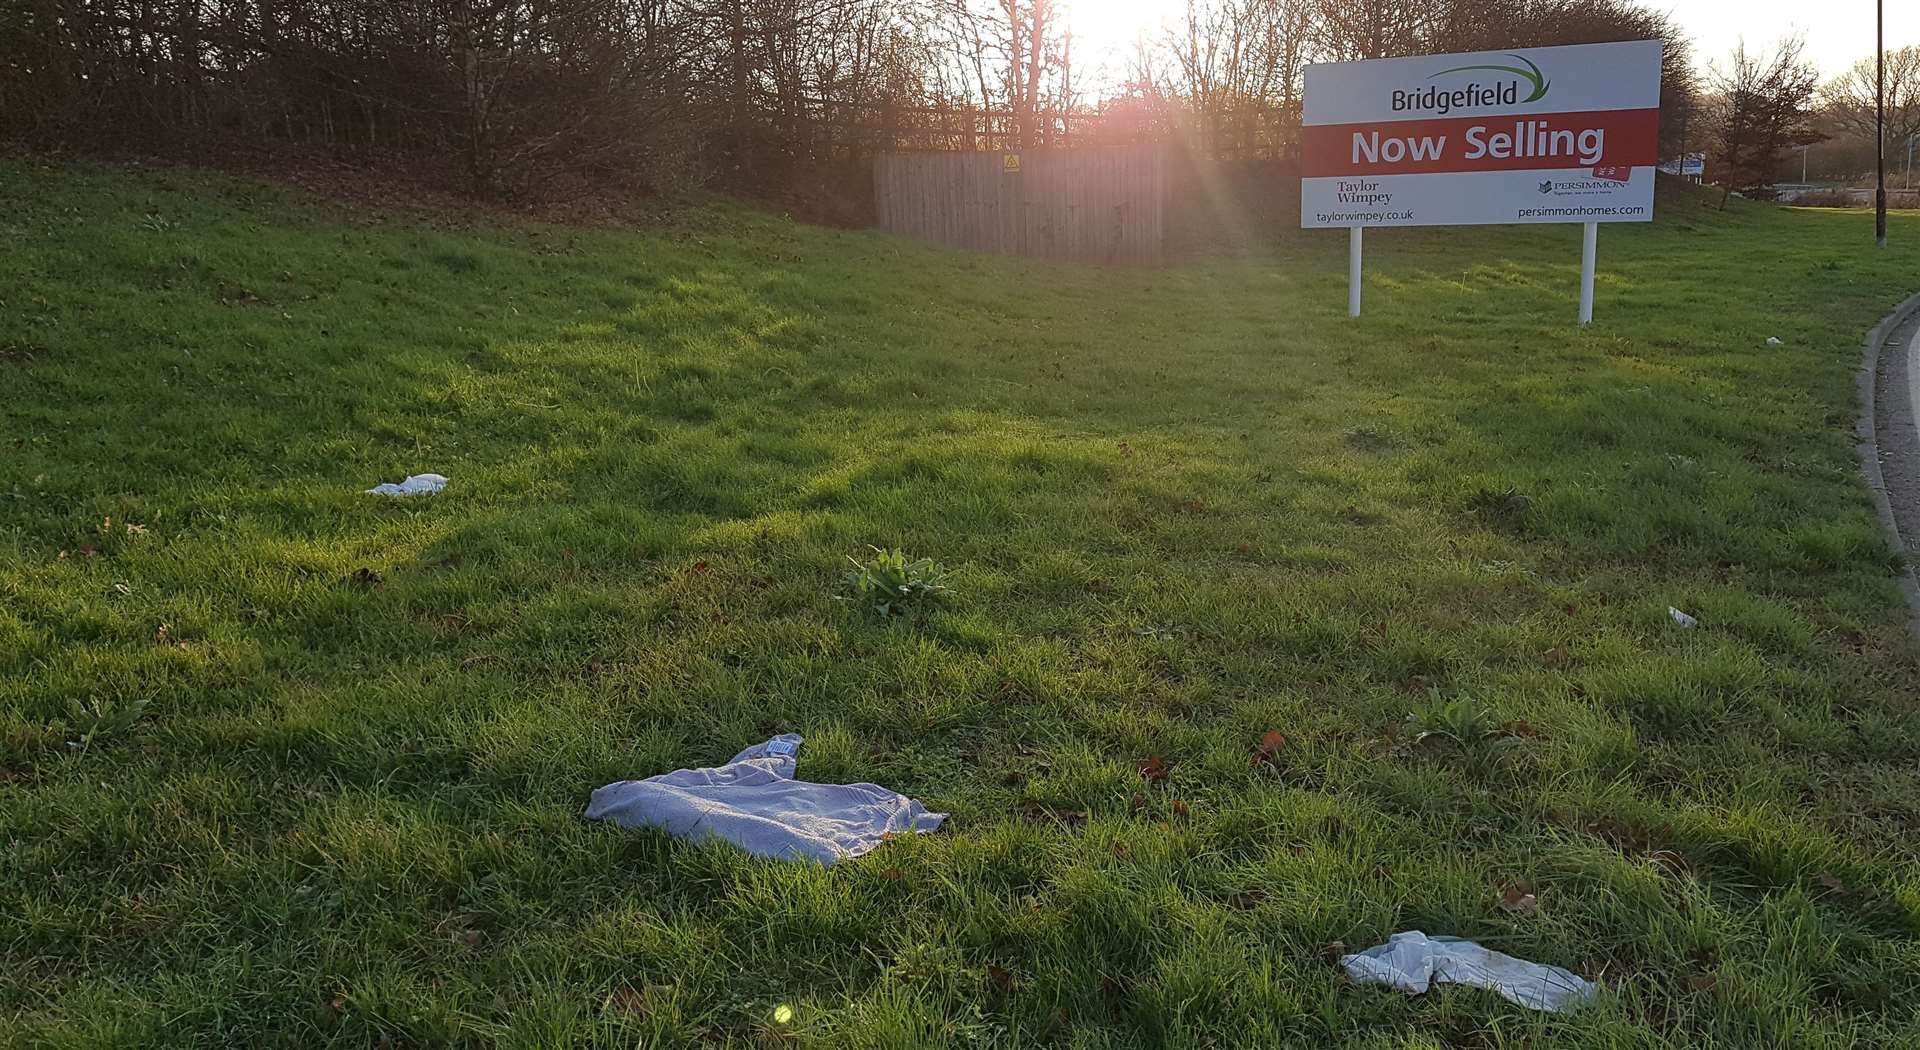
point(1010, 162)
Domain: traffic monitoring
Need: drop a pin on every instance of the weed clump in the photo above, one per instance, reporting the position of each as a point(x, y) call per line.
point(890, 583)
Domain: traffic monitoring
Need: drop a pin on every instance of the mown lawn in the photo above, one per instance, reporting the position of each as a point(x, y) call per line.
point(282, 764)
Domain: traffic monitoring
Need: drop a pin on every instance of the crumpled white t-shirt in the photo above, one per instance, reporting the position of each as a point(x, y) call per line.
point(754, 803)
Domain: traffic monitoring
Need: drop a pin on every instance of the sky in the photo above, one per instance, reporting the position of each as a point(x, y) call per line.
point(1839, 32)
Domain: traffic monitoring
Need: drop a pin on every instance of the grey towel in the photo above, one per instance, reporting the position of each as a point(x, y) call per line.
point(754, 803)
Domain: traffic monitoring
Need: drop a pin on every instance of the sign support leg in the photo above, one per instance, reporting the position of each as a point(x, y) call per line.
point(1353, 271)
point(1589, 247)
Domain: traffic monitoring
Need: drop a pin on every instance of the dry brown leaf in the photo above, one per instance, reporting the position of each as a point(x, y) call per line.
point(1153, 770)
point(1518, 899)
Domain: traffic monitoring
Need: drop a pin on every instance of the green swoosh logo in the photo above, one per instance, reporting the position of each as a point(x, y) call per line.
point(1531, 75)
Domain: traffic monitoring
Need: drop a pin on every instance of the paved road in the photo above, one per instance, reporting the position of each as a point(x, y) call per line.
point(1897, 394)
point(1896, 447)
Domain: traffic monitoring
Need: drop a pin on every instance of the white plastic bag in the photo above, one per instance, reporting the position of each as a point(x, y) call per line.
point(1413, 961)
point(415, 485)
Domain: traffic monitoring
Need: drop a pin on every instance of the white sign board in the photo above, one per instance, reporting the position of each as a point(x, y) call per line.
point(1690, 165)
point(1547, 134)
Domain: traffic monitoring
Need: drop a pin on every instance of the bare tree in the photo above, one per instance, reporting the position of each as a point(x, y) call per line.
point(1238, 52)
point(1761, 110)
point(1848, 100)
point(1344, 30)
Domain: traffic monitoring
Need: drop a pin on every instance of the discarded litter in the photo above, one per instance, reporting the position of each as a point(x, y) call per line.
point(1682, 618)
point(754, 803)
point(415, 485)
point(1413, 961)
point(1773, 340)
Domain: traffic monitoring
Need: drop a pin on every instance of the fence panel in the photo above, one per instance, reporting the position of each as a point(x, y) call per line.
point(1087, 205)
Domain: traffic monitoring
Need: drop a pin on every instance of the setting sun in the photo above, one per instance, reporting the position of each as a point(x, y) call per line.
point(1104, 31)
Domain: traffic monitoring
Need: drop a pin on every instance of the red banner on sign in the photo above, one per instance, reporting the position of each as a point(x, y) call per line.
point(1617, 138)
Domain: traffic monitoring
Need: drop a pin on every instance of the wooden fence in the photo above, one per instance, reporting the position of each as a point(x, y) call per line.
point(1089, 205)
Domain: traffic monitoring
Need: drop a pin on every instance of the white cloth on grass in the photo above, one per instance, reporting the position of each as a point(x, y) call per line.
point(754, 803)
point(415, 485)
point(1412, 961)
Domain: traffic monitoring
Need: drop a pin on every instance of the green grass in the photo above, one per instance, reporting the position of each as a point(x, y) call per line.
point(251, 795)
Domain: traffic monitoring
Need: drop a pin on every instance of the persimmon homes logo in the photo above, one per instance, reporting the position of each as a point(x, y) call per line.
point(1437, 99)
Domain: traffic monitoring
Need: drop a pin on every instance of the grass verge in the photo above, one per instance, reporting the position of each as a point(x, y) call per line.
point(1268, 630)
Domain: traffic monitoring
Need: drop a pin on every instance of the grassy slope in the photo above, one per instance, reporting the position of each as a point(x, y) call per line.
point(1188, 507)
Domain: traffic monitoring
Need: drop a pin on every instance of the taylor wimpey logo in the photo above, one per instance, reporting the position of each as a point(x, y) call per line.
point(1433, 98)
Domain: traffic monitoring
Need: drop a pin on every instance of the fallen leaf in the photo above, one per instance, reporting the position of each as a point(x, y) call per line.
point(1557, 656)
point(365, 577)
point(700, 566)
point(1000, 977)
point(1520, 727)
point(639, 1002)
point(1332, 952)
point(1831, 883)
point(1247, 899)
point(89, 551)
point(1518, 899)
point(892, 874)
point(1180, 809)
point(160, 636)
point(1137, 803)
point(470, 938)
point(338, 1004)
point(1153, 770)
point(1270, 743)
point(136, 530)
point(1702, 982)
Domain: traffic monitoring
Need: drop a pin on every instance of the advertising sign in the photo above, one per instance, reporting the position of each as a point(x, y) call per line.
point(1549, 134)
point(1687, 165)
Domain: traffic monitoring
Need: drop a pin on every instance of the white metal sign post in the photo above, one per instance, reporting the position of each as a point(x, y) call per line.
point(1546, 134)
